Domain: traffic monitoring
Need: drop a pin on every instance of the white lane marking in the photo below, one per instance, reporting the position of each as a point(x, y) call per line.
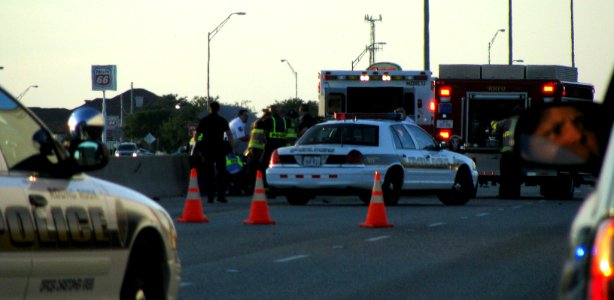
point(338, 247)
point(184, 284)
point(517, 207)
point(437, 224)
point(291, 258)
point(482, 214)
point(232, 271)
point(378, 238)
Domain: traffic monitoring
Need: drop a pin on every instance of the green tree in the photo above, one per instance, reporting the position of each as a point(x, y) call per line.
point(294, 103)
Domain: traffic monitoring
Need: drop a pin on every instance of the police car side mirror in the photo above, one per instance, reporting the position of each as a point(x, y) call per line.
point(563, 136)
point(90, 155)
point(86, 126)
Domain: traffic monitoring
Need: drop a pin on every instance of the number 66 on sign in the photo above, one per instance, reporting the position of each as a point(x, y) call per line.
point(104, 78)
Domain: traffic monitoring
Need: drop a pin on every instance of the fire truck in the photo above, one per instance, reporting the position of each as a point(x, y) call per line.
point(469, 98)
point(382, 88)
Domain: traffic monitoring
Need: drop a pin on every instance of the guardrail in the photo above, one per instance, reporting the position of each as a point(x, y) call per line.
point(154, 176)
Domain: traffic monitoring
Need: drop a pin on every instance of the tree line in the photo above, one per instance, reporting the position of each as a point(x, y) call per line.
point(168, 120)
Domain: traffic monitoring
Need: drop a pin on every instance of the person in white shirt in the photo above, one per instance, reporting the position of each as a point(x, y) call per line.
point(238, 126)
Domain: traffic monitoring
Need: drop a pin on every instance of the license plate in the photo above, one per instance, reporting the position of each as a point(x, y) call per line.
point(311, 161)
point(444, 123)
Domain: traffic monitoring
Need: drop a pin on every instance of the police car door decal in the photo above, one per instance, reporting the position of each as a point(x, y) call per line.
point(71, 220)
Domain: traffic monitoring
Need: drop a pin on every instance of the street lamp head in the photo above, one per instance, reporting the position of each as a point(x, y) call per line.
point(35, 86)
point(502, 30)
point(283, 60)
point(240, 13)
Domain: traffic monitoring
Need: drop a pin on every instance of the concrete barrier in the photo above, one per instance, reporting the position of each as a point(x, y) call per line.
point(154, 176)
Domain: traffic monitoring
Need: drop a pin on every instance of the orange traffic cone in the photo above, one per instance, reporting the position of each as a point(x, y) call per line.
point(193, 209)
point(259, 212)
point(376, 216)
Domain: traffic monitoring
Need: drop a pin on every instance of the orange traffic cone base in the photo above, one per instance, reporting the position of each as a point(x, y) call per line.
point(193, 209)
point(259, 211)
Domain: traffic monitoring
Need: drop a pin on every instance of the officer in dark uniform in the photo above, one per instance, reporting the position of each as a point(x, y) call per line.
point(214, 150)
point(509, 165)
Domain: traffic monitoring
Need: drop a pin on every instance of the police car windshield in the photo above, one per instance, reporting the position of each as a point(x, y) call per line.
point(6, 102)
point(346, 134)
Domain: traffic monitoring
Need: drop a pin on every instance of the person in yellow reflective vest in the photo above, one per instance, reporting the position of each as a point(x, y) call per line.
point(510, 178)
point(255, 150)
point(276, 138)
point(291, 135)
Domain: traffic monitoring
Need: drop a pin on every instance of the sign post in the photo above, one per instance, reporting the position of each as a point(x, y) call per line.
point(104, 78)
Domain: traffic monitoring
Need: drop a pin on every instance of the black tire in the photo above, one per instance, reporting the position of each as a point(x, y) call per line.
point(392, 186)
point(561, 187)
point(145, 272)
point(295, 198)
point(462, 190)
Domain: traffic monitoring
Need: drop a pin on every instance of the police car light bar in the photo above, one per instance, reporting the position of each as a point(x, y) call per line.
point(367, 116)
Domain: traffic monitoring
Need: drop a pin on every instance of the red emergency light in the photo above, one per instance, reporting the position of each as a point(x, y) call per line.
point(445, 91)
point(444, 134)
point(548, 88)
point(432, 105)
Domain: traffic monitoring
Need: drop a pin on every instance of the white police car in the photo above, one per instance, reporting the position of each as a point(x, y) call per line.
point(66, 235)
point(341, 157)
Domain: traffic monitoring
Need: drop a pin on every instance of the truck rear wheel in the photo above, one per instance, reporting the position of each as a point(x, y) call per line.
point(561, 187)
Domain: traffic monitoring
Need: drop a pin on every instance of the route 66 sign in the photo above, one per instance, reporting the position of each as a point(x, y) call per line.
point(104, 78)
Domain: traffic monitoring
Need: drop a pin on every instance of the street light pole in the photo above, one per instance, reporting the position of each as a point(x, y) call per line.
point(210, 36)
point(25, 91)
point(492, 41)
point(295, 78)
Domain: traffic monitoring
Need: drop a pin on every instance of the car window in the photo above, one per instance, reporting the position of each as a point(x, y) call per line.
point(423, 139)
point(18, 131)
point(349, 134)
point(402, 138)
point(126, 147)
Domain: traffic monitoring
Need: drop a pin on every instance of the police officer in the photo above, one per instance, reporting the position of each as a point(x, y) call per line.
point(255, 150)
point(291, 135)
point(214, 150)
point(509, 165)
point(276, 137)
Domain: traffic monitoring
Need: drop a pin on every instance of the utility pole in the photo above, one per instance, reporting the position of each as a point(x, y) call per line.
point(511, 59)
point(427, 50)
point(372, 20)
point(573, 53)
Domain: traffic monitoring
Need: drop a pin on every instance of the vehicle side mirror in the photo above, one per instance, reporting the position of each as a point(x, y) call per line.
point(86, 125)
point(90, 155)
point(570, 135)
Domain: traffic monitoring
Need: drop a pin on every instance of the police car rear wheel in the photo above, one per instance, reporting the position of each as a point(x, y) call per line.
point(461, 191)
point(295, 198)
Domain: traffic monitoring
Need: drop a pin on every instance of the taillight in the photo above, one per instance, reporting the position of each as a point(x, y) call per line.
point(354, 158)
point(600, 286)
point(548, 88)
point(275, 160)
point(444, 134)
point(445, 91)
point(432, 105)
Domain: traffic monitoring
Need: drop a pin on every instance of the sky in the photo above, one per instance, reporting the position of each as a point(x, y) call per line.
point(161, 45)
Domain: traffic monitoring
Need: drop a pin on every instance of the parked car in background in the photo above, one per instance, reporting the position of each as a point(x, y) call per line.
point(127, 149)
